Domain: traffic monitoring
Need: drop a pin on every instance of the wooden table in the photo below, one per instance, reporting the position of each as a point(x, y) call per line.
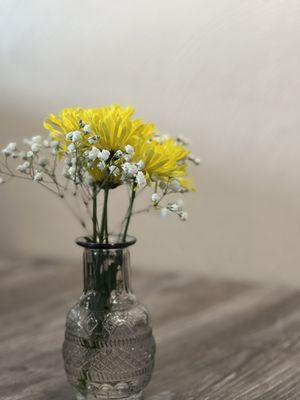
point(216, 339)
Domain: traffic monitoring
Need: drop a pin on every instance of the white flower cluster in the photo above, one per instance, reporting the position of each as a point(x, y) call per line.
point(194, 159)
point(73, 170)
point(172, 187)
point(74, 136)
point(86, 128)
point(10, 149)
point(38, 176)
point(176, 208)
point(35, 143)
point(183, 141)
point(25, 167)
point(83, 163)
point(132, 171)
point(116, 163)
point(99, 156)
point(161, 137)
point(33, 164)
point(88, 169)
point(93, 139)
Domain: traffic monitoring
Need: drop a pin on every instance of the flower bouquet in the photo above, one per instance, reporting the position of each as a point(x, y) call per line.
point(109, 347)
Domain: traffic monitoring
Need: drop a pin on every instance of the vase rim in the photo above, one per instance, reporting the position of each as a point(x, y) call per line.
point(113, 243)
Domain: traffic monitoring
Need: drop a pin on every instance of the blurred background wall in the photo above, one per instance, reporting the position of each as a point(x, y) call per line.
point(224, 73)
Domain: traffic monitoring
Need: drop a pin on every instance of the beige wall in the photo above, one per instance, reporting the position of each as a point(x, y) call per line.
point(225, 73)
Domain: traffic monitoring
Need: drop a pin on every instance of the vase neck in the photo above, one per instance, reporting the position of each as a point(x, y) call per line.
point(106, 270)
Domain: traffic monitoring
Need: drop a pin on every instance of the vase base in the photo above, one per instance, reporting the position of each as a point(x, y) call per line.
point(138, 396)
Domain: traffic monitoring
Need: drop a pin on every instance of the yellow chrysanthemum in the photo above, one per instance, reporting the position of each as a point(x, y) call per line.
point(113, 128)
point(164, 161)
point(113, 125)
point(59, 126)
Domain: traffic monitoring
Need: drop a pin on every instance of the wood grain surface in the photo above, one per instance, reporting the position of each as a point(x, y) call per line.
point(215, 339)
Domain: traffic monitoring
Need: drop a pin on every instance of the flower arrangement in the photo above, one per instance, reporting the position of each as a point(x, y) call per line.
point(90, 152)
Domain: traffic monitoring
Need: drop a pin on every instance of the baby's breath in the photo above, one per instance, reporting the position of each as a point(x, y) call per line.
point(93, 151)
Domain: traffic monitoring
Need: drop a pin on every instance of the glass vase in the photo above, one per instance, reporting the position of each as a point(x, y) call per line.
point(109, 348)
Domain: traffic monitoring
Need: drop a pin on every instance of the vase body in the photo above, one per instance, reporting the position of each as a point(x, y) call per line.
point(109, 347)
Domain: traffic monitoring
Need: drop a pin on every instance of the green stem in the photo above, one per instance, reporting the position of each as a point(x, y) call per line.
point(129, 212)
point(104, 224)
point(94, 213)
point(106, 215)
